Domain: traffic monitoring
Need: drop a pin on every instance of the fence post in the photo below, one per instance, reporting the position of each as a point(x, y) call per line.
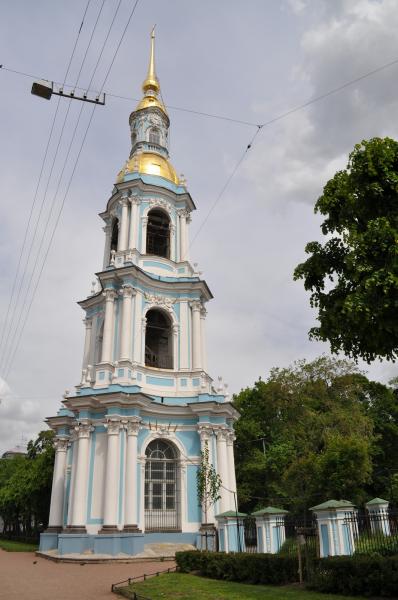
point(378, 516)
point(336, 526)
point(270, 524)
point(231, 531)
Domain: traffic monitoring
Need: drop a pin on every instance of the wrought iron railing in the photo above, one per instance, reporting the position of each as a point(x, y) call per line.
point(122, 588)
point(161, 361)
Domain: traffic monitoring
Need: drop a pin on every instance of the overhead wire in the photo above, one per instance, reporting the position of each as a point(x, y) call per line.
point(17, 271)
point(5, 358)
point(279, 118)
point(71, 178)
point(259, 127)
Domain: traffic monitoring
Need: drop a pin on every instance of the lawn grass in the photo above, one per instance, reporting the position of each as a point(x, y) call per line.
point(183, 586)
point(14, 546)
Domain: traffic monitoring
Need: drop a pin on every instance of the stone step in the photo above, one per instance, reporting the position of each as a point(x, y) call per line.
point(166, 549)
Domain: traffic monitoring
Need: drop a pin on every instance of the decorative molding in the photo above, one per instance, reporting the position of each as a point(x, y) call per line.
point(113, 426)
point(109, 295)
point(83, 430)
point(196, 305)
point(128, 291)
point(160, 203)
point(161, 301)
point(133, 426)
point(135, 200)
point(61, 444)
point(183, 212)
point(222, 434)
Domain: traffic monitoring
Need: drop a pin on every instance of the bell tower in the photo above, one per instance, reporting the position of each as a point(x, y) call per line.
point(129, 440)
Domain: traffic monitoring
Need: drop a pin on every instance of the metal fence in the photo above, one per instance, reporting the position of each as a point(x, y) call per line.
point(373, 532)
point(123, 588)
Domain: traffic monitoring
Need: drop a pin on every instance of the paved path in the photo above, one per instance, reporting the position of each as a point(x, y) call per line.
point(22, 579)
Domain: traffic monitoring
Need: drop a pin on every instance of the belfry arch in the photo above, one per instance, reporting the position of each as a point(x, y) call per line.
point(158, 233)
point(158, 339)
point(115, 234)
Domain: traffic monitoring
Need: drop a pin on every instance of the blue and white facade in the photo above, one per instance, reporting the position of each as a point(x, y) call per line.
point(129, 442)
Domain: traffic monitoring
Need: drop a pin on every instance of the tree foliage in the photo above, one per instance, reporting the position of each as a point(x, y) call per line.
point(25, 488)
point(353, 276)
point(315, 431)
point(208, 482)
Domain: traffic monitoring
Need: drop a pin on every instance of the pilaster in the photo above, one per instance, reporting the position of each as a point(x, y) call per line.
point(78, 521)
point(111, 487)
point(131, 492)
point(55, 520)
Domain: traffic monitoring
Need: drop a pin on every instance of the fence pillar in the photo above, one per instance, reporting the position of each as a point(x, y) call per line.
point(270, 525)
point(231, 530)
point(336, 522)
point(378, 516)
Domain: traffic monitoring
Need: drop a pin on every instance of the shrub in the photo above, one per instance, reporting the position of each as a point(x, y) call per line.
point(250, 568)
point(358, 575)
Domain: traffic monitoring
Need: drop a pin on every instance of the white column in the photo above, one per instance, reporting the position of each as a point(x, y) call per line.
point(107, 249)
point(125, 345)
point(137, 328)
point(222, 464)
point(183, 214)
point(144, 223)
point(206, 435)
point(123, 233)
point(107, 339)
point(87, 342)
point(184, 356)
point(172, 229)
point(131, 490)
point(203, 314)
point(83, 431)
point(111, 487)
point(176, 328)
point(55, 521)
point(133, 235)
point(196, 342)
point(231, 469)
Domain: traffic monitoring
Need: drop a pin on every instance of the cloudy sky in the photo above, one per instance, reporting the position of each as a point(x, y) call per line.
point(250, 61)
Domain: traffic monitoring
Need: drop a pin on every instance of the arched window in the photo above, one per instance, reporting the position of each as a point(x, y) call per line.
point(158, 233)
point(154, 136)
point(162, 494)
point(158, 340)
point(115, 234)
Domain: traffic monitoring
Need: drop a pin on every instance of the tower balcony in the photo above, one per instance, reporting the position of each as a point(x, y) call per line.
point(150, 379)
point(151, 263)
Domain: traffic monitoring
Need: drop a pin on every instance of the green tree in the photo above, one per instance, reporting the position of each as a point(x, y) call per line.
point(353, 276)
point(306, 435)
point(25, 488)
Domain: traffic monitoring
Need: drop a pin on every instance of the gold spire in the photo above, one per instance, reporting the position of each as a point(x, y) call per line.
point(151, 82)
point(151, 86)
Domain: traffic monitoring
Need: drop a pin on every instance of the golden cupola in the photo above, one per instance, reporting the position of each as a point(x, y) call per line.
point(149, 125)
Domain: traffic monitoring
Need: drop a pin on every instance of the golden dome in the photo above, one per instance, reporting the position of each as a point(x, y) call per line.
point(150, 102)
point(149, 163)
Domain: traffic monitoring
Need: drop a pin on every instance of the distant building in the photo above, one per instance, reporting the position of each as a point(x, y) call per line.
point(17, 451)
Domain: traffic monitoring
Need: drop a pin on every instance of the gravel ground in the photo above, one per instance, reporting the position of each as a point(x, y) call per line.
point(24, 576)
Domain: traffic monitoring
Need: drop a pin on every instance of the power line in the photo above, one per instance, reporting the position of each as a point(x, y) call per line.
point(5, 357)
point(226, 184)
point(70, 180)
point(39, 181)
point(279, 118)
